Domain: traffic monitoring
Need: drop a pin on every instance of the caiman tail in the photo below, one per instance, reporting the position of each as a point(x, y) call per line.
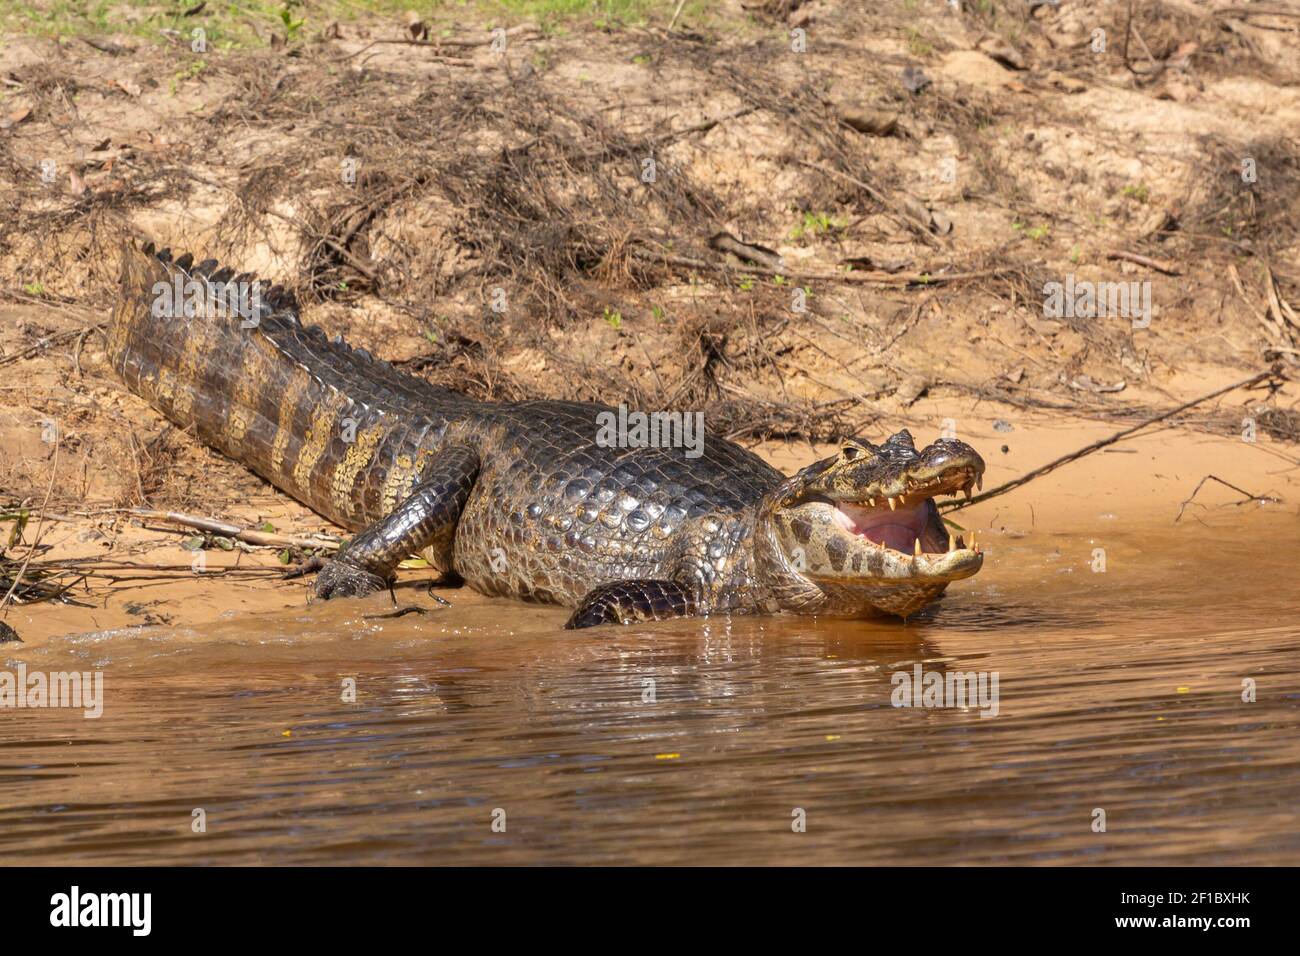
point(224, 356)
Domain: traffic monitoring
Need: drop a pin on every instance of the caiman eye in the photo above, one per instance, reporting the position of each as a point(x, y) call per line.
point(853, 451)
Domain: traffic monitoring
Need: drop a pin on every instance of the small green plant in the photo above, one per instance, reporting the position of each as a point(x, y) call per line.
point(20, 523)
point(917, 45)
point(615, 319)
point(291, 26)
point(814, 223)
point(1032, 232)
point(778, 280)
point(657, 311)
point(746, 283)
point(1074, 254)
point(1138, 192)
point(192, 71)
point(34, 288)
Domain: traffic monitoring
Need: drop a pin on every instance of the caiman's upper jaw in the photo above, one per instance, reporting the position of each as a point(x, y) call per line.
point(946, 467)
point(908, 521)
point(949, 481)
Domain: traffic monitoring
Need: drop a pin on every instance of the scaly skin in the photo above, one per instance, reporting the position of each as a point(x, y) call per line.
point(519, 499)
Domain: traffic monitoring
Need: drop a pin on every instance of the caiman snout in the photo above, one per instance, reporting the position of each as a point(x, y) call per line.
point(862, 527)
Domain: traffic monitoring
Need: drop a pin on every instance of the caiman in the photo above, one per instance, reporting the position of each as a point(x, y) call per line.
point(521, 499)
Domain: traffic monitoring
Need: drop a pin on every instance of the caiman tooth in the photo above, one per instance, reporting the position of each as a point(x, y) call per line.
point(184, 262)
point(892, 506)
point(979, 483)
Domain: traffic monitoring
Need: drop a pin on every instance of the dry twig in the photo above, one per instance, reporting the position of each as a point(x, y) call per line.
point(1002, 489)
point(1227, 484)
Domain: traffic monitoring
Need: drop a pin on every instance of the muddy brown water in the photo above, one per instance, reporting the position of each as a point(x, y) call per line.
point(1119, 691)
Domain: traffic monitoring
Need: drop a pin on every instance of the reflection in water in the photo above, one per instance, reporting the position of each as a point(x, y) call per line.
point(696, 741)
point(999, 613)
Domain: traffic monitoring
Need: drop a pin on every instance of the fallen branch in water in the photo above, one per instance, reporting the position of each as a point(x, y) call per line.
point(1227, 484)
point(1274, 372)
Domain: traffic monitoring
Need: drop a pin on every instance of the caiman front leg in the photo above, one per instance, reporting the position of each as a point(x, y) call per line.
point(426, 519)
point(630, 602)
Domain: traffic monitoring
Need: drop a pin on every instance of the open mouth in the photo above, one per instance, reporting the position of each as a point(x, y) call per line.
point(908, 522)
